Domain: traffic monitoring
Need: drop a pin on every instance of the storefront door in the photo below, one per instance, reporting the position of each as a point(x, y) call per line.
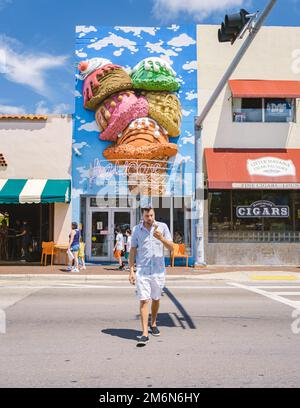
point(101, 231)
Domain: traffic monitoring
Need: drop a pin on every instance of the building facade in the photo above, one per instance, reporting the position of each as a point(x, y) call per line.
point(35, 180)
point(250, 142)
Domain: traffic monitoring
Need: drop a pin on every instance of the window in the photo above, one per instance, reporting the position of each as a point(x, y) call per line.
point(279, 110)
point(263, 109)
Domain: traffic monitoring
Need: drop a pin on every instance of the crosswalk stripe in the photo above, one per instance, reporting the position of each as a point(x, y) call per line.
point(271, 295)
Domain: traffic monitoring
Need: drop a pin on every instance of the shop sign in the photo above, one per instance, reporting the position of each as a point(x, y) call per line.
point(271, 167)
point(267, 186)
point(263, 208)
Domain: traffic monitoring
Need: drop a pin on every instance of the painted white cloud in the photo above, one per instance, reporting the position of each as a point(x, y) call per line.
point(29, 69)
point(84, 173)
point(116, 41)
point(89, 127)
point(191, 95)
point(81, 54)
point(188, 139)
point(158, 49)
point(183, 40)
point(78, 146)
point(167, 10)
point(12, 110)
point(84, 30)
point(77, 94)
point(76, 192)
point(185, 112)
point(137, 31)
point(119, 52)
point(173, 27)
point(190, 66)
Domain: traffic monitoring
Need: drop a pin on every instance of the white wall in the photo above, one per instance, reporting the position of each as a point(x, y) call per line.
point(37, 149)
point(274, 54)
point(40, 149)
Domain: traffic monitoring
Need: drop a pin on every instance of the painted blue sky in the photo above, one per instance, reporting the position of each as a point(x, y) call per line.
point(37, 40)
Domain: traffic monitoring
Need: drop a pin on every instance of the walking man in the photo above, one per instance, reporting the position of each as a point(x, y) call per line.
point(147, 245)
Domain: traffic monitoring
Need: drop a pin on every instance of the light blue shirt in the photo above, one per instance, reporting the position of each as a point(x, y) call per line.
point(150, 251)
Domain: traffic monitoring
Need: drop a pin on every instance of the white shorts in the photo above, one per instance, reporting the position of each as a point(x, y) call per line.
point(149, 287)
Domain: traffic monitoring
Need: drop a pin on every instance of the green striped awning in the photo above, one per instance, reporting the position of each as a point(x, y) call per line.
point(21, 191)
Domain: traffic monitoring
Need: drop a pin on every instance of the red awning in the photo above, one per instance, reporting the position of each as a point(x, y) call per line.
point(254, 88)
point(253, 169)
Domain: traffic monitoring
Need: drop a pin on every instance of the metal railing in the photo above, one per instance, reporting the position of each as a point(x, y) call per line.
point(253, 236)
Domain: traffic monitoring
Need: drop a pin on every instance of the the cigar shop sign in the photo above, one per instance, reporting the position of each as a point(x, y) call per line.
point(271, 167)
point(262, 208)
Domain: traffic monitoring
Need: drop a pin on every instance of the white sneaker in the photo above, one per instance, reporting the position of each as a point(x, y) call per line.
point(69, 268)
point(83, 267)
point(75, 270)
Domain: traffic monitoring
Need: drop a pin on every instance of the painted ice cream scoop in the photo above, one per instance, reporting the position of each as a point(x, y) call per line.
point(117, 111)
point(154, 74)
point(142, 139)
point(144, 146)
point(164, 107)
point(102, 82)
point(89, 66)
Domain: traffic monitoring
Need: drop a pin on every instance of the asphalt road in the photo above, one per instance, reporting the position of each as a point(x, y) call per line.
point(214, 334)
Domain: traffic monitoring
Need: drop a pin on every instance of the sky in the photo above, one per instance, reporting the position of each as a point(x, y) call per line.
point(37, 40)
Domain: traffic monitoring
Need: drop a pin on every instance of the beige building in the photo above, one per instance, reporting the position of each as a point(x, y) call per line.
point(35, 178)
point(250, 145)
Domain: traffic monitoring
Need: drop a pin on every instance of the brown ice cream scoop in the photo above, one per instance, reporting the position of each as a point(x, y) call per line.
point(143, 139)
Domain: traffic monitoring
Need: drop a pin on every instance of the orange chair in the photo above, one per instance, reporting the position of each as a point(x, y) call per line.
point(179, 252)
point(47, 249)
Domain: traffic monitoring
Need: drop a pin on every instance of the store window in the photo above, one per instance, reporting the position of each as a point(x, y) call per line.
point(279, 110)
point(247, 109)
point(263, 110)
point(254, 216)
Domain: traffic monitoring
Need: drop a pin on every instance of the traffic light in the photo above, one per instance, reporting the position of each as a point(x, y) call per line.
point(233, 25)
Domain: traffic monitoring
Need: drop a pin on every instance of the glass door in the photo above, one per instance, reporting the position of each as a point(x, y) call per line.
point(101, 226)
point(122, 219)
point(100, 238)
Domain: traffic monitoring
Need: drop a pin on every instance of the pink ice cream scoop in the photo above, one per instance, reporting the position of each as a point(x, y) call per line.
point(116, 112)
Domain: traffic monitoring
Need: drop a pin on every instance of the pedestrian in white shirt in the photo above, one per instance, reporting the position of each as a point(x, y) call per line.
point(119, 247)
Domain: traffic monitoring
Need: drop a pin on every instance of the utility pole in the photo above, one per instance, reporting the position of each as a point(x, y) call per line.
point(234, 28)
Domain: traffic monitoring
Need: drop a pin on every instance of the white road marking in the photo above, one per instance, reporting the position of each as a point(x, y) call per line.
point(66, 286)
point(271, 295)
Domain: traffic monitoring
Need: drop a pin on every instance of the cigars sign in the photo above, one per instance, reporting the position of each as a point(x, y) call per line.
point(263, 208)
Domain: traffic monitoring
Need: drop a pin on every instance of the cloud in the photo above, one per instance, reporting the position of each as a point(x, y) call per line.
point(188, 139)
point(191, 95)
point(81, 54)
point(186, 113)
point(41, 108)
point(183, 40)
point(190, 66)
point(116, 41)
point(119, 52)
point(164, 53)
point(84, 30)
point(173, 27)
point(167, 10)
point(138, 30)
point(4, 3)
point(28, 68)
point(12, 110)
point(78, 146)
point(89, 127)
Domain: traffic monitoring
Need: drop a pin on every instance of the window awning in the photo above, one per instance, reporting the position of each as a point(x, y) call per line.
point(21, 191)
point(254, 88)
point(268, 169)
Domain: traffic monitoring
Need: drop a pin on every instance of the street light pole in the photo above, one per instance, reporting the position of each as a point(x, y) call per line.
point(199, 179)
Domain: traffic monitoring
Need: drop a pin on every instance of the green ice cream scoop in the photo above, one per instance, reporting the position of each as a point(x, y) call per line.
point(154, 74)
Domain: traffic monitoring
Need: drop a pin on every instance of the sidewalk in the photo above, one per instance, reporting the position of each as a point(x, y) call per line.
point(106, 272)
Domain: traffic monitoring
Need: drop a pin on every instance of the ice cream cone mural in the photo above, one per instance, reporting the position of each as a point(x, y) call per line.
point(137, 112)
